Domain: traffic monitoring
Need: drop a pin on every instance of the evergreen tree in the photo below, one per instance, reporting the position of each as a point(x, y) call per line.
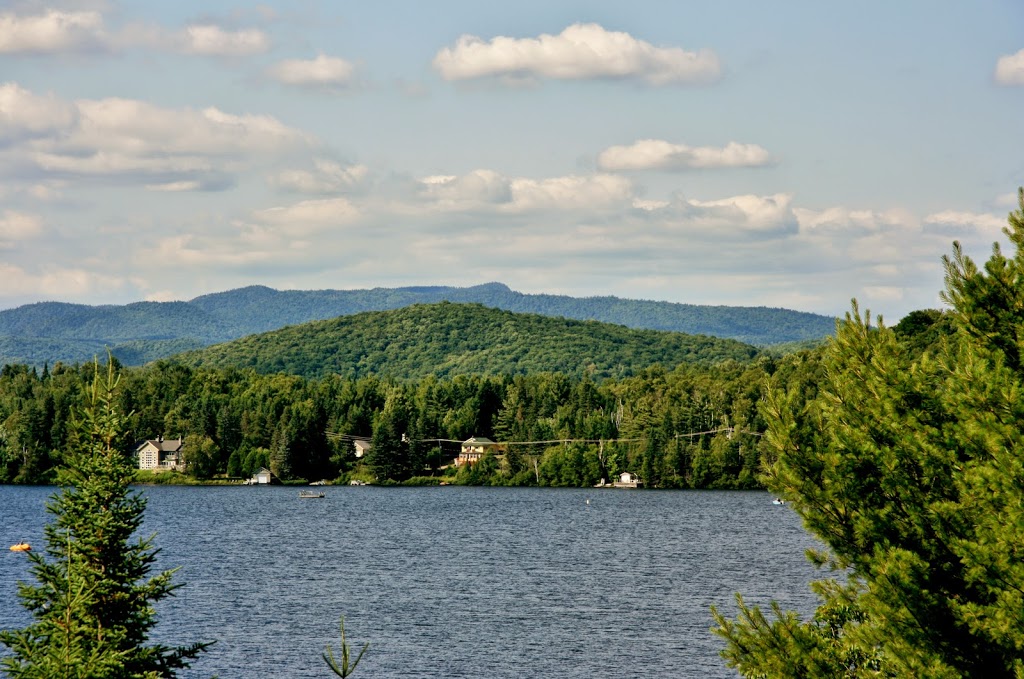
point(93, 604)
point(909, 465)
point(389, 449)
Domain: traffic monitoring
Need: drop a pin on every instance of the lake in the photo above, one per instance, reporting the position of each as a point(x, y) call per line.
point(452, 581)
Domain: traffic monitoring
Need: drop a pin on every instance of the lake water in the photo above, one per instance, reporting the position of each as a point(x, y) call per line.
point(452, 581)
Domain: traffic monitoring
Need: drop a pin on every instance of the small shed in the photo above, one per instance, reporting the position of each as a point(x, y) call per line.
point(362, 447)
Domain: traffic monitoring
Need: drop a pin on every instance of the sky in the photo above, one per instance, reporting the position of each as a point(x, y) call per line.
point(745, 153)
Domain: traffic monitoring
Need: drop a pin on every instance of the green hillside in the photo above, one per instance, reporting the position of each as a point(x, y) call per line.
point(48, 332)
point(447, 339)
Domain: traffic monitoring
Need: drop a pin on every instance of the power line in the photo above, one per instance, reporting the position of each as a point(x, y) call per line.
point(564, 441)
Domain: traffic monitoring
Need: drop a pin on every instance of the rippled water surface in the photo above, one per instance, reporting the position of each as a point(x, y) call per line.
point(453, 582)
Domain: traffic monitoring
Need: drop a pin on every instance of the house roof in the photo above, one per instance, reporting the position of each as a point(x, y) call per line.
point(163, 445)
point(479, 441)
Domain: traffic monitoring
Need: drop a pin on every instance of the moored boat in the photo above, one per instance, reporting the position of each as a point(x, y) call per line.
point(311, 494)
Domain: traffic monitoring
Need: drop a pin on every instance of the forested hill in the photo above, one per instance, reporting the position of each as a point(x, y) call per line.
point(144, 331)
point(446, 339)
point(257, 309)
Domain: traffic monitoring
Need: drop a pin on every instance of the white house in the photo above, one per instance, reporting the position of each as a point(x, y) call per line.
point(361, 447)
point(161, 454)
point(475, 448)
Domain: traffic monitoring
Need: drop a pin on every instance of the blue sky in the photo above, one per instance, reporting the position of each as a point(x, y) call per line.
point(793, 154)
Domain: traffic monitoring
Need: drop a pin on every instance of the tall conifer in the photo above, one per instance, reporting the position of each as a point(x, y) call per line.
point(910, 467)
point(93, 604)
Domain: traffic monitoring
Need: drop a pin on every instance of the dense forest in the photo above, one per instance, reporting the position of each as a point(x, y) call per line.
point(463, 339)
point(695, 426)
point(140, 332)
point(235, 421)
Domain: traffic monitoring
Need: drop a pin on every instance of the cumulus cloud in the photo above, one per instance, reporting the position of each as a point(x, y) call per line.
point(51, 31)
point(838, 220)
point(1010, 69)
point(163, 148)
point(491, 191)
point(24, 114)
point(55, 31)
point(320, 72)
point(581, 51)
point(656, 154)
point(749, 212)
point(212, 40)
point(327, 177)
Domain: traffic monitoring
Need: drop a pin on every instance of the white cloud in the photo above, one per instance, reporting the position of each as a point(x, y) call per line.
point(24, 114)
point(571, 193)
point(325, 212)
point(161, 148)
point(490, 191)
point(748, 211)
point(51, 31)
point(656, 154)
point(56, 31)
point(328, 177)
point(46, 192)
point(951, 221)
point(1010, 69)
point(177, 187)
point(475, 190)
point(18, 226)
point(212, 40)
point(322, 71)
point(580, 51)
point(840, 220)
point(64, 283)
point(240, 251)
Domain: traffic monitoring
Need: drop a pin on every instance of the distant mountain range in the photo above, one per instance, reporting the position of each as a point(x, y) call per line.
point(140, 332)
point(446, 339)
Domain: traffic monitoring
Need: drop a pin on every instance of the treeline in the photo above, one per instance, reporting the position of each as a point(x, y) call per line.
point(235, 421)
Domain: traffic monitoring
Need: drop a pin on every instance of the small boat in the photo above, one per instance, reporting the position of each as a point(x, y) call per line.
point(21, 547)
point(778, 501)
point(311, 494)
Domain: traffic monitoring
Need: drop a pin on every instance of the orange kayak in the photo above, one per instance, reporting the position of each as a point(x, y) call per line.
point(21, 547)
